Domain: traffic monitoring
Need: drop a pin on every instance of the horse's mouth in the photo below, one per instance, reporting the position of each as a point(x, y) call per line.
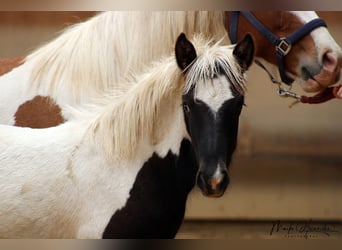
point(307, 75)
point(319, 78)
point(311, 80)
point(212, 195)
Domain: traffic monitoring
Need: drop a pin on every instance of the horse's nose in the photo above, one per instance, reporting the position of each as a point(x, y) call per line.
point(213, 185)
point(331, 63)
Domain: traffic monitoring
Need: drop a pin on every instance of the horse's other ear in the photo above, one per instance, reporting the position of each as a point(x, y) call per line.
point(244, 52)
point(185, 52)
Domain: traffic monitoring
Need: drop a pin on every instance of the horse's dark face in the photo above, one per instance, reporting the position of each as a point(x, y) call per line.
point(211, 112)
point(213, 134)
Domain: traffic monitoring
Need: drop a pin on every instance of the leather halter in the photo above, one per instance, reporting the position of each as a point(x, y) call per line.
point(282, 45)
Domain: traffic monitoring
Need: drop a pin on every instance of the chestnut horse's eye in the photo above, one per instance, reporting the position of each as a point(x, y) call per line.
point(186, 108)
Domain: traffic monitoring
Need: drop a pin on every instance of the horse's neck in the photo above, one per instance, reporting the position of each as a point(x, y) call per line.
point(169, 128)
point(146, 117)
point(92, 56)
point(108, 49)
point(155, 32)
point(168, 132)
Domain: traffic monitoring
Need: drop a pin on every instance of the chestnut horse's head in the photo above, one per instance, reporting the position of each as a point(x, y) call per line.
point(314, 58)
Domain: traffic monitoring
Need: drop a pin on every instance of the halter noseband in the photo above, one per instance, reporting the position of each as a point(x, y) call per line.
point(283, 45)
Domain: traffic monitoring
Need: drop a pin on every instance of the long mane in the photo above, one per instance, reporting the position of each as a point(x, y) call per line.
point(112, 47)
point(127, 117)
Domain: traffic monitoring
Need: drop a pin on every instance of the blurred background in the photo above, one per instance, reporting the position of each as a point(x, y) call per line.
point(288, 165)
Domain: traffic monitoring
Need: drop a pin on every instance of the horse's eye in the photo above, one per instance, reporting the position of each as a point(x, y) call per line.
point(186, 108)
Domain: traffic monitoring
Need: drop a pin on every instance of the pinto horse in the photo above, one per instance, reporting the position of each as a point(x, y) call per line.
point(67, 181)
point(85, 62)
point(91, 57)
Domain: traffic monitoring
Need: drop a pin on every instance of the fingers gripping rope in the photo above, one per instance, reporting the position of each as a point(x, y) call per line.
point(324, 96)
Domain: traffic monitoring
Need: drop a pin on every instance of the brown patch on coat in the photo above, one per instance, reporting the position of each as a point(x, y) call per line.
point(7, 64)
point(40, 112)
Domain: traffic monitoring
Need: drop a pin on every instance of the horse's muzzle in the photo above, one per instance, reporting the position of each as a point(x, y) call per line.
point(330, 73)
point(213, 185)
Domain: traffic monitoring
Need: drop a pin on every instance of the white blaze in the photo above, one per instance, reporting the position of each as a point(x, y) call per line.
point(214, 94)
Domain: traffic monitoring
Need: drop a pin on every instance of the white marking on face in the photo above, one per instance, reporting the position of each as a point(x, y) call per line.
point(218, 173)
point(214, 93)
point(217, 178)
point(321, 36)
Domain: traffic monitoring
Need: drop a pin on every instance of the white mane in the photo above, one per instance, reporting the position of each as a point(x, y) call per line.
point(126, 117)
point(93, 56)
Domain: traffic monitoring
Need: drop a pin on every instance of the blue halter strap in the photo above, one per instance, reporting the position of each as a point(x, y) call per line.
point(282, 45)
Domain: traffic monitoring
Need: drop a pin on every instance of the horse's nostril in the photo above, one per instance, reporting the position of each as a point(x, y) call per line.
point(200, 179)
point(329, 61)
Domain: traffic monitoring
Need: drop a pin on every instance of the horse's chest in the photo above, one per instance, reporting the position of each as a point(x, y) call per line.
point(104, 196)
point(156, 205)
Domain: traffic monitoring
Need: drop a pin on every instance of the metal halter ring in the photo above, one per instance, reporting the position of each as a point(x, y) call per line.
point(284, 47)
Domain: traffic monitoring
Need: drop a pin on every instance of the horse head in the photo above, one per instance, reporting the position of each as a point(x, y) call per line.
point(212, 106)
point(297, 41)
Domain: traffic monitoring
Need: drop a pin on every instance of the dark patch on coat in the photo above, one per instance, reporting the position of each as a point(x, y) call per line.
point(157, 202)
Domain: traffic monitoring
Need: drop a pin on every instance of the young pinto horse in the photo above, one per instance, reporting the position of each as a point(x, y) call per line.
point(67, 181)
point(89, 58)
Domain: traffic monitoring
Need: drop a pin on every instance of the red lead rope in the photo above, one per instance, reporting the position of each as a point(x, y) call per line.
point(324, 96)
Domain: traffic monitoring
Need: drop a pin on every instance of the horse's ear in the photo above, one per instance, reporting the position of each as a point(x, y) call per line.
point(185, 52)
point(244, 52)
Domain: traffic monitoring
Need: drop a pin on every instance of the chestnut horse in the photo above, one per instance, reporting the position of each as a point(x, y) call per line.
point(89, 58)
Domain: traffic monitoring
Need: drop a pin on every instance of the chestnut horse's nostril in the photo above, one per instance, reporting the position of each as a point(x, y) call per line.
point(331, 67)
point(330, 61)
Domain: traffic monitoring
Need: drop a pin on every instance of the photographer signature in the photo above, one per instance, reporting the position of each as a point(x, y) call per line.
point(305, 230)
